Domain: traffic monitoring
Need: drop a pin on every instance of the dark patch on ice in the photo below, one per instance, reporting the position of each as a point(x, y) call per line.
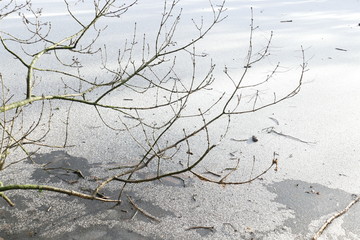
point(60, 166)
point(311, 201)
point(96, 232)
point(34, 218)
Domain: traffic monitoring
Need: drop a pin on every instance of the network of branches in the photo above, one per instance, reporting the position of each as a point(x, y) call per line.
point(142, 93)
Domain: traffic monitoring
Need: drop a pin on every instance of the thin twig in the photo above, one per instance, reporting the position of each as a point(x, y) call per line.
point(142, 210)
point(239, 140)
point(201, 227)
point(6, 198)
point(201, 177)
point(54, 189)
point(271, 130)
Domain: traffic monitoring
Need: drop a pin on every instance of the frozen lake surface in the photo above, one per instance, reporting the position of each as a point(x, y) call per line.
point(314, 180)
